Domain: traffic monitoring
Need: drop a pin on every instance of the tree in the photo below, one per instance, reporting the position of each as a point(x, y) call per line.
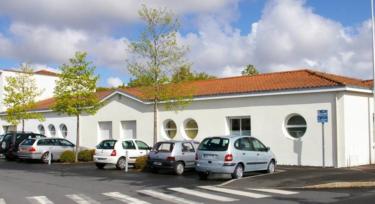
point(21, 92)
point(154, 57)
point(185, 74)
point(75, 90)
point(250, 70)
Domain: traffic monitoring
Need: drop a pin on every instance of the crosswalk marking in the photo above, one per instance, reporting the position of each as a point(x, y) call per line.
point(124, 198)
point(82, 199)
point(276, 191)
point(39, 199)
point(234, 192)
point(167, 197)
point(203, 195)
point(2, 201)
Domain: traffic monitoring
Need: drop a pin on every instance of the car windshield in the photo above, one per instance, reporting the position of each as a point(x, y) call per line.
point(28, 142)
point(164, 147)
point(214, 144)
point(107, 144)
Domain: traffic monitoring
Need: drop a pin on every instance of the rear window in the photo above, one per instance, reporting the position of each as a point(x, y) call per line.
point(164, 147)
point(214, 144)
point(28, 142)
point(107, 144)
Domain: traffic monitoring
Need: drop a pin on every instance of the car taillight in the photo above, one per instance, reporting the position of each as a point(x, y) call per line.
point(171, 159)
point(228, 157)
point(32, 149)
point(114, 153)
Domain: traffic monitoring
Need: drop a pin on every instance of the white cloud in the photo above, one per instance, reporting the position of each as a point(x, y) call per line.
point(114, 81)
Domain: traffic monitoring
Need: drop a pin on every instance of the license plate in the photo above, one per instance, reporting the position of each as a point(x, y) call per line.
point(101, 159)
point(157, 163)
point(209, 156)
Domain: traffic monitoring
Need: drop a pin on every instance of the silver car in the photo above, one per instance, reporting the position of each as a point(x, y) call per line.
point(233, 155)
point(174, 155)
point(40, 148)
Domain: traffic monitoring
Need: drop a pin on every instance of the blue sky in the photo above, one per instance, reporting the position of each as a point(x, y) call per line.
point(223, 35)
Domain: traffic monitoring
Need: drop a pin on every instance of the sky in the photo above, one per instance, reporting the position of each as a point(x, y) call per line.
point(223, 36)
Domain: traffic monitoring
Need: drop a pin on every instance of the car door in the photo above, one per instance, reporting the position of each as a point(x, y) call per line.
point(143, 148)
point(262, 154)
point(188, 154)
point(245, 153)
point(129, 146)
point(64, 145)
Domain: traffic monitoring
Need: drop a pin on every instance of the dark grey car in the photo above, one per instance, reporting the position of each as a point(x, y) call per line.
point(174, 155)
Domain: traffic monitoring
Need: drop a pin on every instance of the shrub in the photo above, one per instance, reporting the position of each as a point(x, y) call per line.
point(86, 155)
point(67, 157)
point(141, 162)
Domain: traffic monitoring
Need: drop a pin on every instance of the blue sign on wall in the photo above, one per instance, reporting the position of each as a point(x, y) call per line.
point(322, 116)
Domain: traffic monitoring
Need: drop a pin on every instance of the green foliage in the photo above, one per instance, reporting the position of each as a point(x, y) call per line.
point(20, 95)
point(250, 70)
point(104, 89)
point(86, 155)
point(141, 162)
point(76, 87)
point(185, 74)
point(67, 156)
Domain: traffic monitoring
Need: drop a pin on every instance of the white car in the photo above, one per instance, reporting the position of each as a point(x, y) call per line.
point(114, 152)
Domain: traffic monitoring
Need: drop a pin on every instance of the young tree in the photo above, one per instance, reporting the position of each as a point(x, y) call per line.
point(21, 92)
point(75, 90)
point(185, 74)
point(250, 70)
point(155, 57)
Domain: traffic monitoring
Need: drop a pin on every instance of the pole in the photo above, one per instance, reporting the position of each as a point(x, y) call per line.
point(49, 156)
point(126, 161)
point(323, 147)
point(373, 70)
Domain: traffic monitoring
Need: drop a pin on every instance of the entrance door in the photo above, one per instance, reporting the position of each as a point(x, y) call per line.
point(129, 129)
point(105, 130)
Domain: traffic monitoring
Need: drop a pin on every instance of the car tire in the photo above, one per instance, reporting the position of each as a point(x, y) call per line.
point(44, 157)
point(154, 170)
point(271, 167)
point(121, 163)
point(238, 172)
point(179, 168)
point(9, 158)
point(203, 175)
point(100, 165)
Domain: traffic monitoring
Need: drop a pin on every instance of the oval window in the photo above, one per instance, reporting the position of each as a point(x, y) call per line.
point(41, 130)
point(296, 126)
point(170, 128)
point(64, 130)
point(52, 130)
point(191, 128)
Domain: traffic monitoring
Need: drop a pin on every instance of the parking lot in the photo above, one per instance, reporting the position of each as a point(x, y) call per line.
point(33, 182)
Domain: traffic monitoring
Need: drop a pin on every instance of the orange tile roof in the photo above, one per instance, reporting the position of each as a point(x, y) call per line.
point(46, 72)
point(269, 82)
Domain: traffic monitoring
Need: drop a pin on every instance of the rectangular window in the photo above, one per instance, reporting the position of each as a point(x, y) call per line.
point(240, 126)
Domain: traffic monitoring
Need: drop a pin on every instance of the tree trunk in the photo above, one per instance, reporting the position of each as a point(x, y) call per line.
point(155, 122)
point(23, 125)
point(77, 140)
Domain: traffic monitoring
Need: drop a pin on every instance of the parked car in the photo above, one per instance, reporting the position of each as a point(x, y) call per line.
point(9, 144)
point(175, 155)
point(114, 152)
point(233, 155)
point(40, 148)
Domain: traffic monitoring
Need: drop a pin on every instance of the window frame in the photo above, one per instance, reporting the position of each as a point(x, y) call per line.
point(240, 118)
point(50, 132)
point(167, 129)
point(186, 129)
point(287, 126)
point(65, 132)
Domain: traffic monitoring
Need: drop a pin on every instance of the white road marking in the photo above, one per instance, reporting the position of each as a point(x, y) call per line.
point(234, 192)
point(39, 199)
point(167, 197)
point(250, 177)
point(276, 191)
point(2, 201)
point(82, 199)
point(203, 195)
point(124, 198)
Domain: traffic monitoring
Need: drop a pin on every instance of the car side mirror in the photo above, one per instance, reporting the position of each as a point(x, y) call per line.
point(267, 149)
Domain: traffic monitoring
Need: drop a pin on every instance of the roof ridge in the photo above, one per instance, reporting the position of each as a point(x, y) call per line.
point(323, 76)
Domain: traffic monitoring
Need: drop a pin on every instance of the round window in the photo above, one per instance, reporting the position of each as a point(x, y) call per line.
point(41, 130)
point(296, 126)
point(170, 128)
point(191, 128)
point(63, 130)
point(52, 130)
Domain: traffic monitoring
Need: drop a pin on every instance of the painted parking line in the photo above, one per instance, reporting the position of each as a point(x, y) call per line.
point(234, 192)
point(124, 198)
point(2, 201)
point(203, 195)
point(167, 197)
point(39, 199)
point(82, 199)
point(275, 191)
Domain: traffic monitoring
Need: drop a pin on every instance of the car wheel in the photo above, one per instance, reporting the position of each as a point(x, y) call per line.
point(99, 165)
point(9, 158)
point(45, 157)
point(203, 175)
point(154, 170)
point(238, 172)
point(179, 168)
point(271, 167)
point(121, 163)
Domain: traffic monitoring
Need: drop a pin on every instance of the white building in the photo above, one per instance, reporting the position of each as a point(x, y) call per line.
point(278, 108)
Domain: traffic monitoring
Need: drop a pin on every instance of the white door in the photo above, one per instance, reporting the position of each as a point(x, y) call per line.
point(105, 130)
point(129, 129)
